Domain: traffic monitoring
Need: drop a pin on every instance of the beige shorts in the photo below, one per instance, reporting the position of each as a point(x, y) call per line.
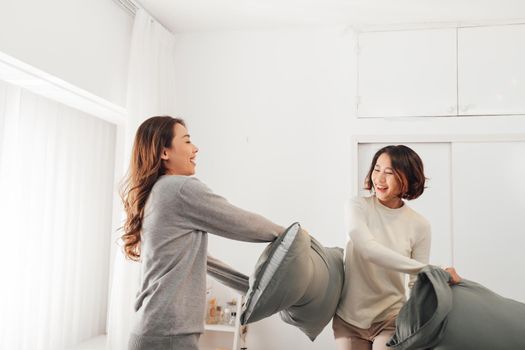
point(346, 330)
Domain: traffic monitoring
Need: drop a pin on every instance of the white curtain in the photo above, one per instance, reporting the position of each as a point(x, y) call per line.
point(150, 92)
point(56, 181)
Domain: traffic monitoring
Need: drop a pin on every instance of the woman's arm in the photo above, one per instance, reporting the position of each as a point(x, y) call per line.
point(212, 213)
point(370, 249)
point(421, 250)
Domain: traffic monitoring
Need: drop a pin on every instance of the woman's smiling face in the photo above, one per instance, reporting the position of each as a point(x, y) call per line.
point(180, 158)
point(385, 181)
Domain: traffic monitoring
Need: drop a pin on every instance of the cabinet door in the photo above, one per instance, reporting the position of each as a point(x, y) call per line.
point(434, 204)
point(407, 73)
point(491, 73)
point(489, 215)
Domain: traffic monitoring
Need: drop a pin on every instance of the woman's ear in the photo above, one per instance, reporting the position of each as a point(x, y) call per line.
point(164, 155)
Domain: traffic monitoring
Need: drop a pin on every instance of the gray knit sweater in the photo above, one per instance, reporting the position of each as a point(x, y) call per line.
point(179, 212)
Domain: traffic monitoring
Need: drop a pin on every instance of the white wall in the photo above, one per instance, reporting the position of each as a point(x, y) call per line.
point(273, 113)
point(85, 43)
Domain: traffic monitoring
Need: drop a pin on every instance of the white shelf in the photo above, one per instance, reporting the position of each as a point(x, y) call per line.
point(96, 343)
point(226, 330)
point(219, 328)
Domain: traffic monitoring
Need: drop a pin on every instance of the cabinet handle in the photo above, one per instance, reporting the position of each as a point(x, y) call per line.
point(465, 108)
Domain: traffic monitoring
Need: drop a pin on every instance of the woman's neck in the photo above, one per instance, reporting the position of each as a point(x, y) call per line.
point(394, 203)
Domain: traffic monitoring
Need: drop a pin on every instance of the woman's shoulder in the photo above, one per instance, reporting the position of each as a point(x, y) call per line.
point(417, 217)
point(181, 185)
point(363, 203)
point(170, 180)
point(175, 183)
point(361, 200)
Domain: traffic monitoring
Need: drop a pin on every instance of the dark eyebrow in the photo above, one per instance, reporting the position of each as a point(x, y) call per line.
point(386, 168)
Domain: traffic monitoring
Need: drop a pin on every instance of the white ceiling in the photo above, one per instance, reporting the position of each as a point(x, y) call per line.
point(204, 15)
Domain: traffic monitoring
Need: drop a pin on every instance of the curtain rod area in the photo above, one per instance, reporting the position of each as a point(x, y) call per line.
point(129, 5)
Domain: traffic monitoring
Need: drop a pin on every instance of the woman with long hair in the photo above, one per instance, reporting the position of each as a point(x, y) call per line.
point(169, 214)
point(386, 240)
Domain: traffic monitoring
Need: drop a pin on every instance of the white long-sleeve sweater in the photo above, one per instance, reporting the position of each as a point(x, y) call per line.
point(383, 245)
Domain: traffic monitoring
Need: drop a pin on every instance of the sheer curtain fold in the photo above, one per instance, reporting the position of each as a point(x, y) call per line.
point(151, 76)
point(56, 179)
point(151, 80)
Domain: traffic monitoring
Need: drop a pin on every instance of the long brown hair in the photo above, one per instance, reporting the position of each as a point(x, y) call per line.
point(153, 135)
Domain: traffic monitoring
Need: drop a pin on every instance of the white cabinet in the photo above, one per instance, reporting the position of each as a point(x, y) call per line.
point(407, 73)
point(442, 72)
point(491, 70)
point(489, 215)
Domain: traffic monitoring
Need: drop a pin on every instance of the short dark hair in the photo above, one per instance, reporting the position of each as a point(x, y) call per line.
point(407, 167)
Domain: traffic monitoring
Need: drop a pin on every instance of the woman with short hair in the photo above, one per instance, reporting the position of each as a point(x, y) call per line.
point(387, 239)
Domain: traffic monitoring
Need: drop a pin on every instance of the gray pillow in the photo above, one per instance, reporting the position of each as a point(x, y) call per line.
point(299, 278)
point(464, 316)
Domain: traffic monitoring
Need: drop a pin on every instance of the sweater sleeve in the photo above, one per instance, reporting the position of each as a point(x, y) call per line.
point(370, 249)
point(421, 250)
point(212, 213)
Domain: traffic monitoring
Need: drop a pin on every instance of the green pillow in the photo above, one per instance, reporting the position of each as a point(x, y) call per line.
point(299, 278)
point(464, 316)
